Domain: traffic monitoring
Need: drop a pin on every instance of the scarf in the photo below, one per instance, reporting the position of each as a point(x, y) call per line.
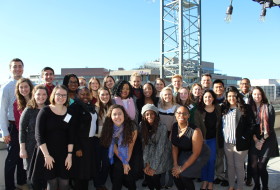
point(122, 150)
point(130, 110)
point(263, 116)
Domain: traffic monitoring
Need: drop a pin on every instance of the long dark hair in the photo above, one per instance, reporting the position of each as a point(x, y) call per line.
point(240, 102)
point(67, 78)
point(21, 102)
point(201, 104)
point(154, 93)
point(251, 100)
point(117, 89)
point(146, 135)
point(102, 107)
point(108, 128)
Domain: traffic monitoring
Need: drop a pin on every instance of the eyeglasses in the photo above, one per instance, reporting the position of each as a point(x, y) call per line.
point(182, 113)
point(61, 95)
point(73, 82)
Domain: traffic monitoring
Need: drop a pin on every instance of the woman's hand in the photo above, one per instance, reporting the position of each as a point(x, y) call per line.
point(176, 170)
point(22, 153)
point(126, 169)
point(79, 153)
point(151, 172)
point(259, 144)
point(49, 162)
point(68, 161)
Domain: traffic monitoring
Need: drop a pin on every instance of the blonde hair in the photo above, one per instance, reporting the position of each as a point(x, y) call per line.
point(135, 74)
point(162, 102)
point(188, 101)
point(177, 76)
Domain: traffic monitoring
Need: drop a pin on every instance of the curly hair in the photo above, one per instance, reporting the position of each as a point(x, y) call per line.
point(117, 89)
point(154, 91)
point(202, 105)
point(239, 101)
point(102, 107)
point(21, 101)
point(251, 100)
point(146, 134)
point(108, 127)
point(32, 103)
point(188, 101)
point(67, 77)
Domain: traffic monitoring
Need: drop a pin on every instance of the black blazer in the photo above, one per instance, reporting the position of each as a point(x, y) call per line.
point(245, 127)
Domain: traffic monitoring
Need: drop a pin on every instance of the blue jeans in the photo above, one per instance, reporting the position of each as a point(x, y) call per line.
point(208, 171)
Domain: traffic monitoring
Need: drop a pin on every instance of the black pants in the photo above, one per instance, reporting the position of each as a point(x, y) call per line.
point(184, 183)
point(118, 177)
point(13, 161)
point(102, 163)
point(153, 181)
point(81, 184)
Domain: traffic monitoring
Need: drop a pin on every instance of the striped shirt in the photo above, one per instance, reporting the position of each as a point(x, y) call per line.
point(229, 126)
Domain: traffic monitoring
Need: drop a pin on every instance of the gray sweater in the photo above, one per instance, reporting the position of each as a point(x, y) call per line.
point(27, 132)
point(157, 152)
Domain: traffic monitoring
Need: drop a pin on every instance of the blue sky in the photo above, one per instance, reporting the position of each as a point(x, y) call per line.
point(125, 33)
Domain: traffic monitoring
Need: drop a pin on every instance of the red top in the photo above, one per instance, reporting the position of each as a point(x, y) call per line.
point(17, 114)
point(50, 88)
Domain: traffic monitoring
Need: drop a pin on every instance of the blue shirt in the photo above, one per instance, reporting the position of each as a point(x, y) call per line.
point(7, 98)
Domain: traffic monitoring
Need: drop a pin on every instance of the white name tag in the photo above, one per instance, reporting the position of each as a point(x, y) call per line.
point(67, 118)
point(190, 106)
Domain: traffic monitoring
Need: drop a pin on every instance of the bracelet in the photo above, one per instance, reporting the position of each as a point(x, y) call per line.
point(46, 156)
point(70, 152)
point(180, 169)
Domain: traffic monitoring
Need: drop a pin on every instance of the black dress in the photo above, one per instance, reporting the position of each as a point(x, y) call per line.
point(84, 167)
point(57, 132)
point(184, 144)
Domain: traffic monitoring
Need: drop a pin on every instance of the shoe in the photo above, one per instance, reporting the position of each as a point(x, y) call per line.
point(168, 187)
point(257, 187)
point(224, 183)
point(249, 182)
point(217, 181)
point(23, 187)
point(144, 183)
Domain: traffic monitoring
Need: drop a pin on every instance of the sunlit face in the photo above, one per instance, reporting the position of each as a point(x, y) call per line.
point(24, 89)
point(16, 69)
point(147, 90)
point(40, 96)
point(82, 82)
point(197, 91)
point(184, 94)
point(84, 95)
point(159, 85)
point(94, 85)
point(109, 83)
point(73, 84)
point(150, 116)
point(104, 96)
point(167, 96)
point(208, 99)
point(182, 115)
point(257, 95)
point(60, 96)
point(48, 76)
point(231, 98)
point(117, 116)
point(136, 82)
point(177, 82)
point(125, 91)
point(206, 82)
point(218, 89)
point(245, 86)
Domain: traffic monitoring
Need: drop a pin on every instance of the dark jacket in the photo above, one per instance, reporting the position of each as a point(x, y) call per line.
point(199, 119)
point(245, 126)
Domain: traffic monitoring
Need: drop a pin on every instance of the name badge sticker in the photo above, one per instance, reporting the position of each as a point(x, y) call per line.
point(190, 106)
point(67, 118)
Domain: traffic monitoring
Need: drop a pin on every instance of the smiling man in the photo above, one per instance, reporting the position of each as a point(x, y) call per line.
point(9, 130)
point(47, 75)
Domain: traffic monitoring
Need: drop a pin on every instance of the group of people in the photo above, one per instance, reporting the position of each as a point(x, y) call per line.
point(66, 135)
